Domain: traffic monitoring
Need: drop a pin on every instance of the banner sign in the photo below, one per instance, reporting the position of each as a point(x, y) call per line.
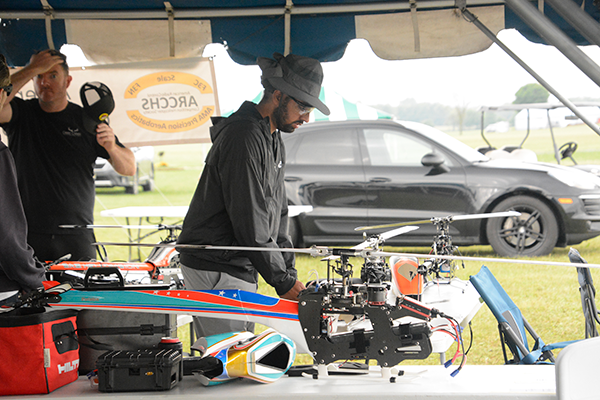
point(156, 103)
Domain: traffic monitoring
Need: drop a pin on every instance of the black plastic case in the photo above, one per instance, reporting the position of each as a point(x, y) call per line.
point(141, 370)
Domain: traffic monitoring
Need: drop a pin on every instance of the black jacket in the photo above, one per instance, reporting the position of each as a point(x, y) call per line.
point(240, 201)
point(18, 269)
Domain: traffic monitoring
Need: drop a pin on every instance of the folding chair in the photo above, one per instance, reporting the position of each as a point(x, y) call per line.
point(588, 294)
point(512, 326)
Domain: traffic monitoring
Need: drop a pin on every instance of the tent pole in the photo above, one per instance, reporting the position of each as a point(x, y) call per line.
point(415, 21)
point(528, 130)
point(48, 19)
point(171, 22)
point(553, 140)
point(578, 19)
point(554, 36)
point(289, 4)
point(228, 12)
point(472, 18)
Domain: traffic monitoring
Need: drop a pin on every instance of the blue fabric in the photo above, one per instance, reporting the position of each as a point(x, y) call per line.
point(19, 39)
point(500, 304)
point(511, 20)
point(497, 300)
point(323, 36)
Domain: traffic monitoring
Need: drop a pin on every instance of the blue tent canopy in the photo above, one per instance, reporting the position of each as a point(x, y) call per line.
point(316, 28)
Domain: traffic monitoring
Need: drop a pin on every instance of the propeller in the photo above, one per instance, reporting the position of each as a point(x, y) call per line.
point(449, 218)
point(154, 227)
point(376, 240)
point(322, 251)
point(314, 251)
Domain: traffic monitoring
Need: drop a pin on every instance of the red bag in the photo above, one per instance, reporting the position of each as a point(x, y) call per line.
point(39, 352)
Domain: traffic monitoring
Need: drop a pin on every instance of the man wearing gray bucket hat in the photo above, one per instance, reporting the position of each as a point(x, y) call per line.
point(240, 199)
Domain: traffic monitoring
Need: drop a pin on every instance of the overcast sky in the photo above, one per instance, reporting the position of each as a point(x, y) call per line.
point(490, 77)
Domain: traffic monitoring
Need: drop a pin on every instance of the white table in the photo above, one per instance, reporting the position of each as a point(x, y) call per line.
point(173, 211)
point(485, 382)
point(144, 212)
point(147, 212)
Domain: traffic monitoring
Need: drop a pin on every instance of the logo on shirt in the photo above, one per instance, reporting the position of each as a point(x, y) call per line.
point(72, 132)
point(170, 102)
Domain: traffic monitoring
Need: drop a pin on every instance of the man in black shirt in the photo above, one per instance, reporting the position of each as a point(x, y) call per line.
point(240, 199)
point(54, 156)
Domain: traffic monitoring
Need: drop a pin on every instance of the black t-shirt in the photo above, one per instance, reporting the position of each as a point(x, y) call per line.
point(54, 157)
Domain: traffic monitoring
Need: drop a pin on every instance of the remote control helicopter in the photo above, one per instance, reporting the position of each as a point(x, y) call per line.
point(338, 317)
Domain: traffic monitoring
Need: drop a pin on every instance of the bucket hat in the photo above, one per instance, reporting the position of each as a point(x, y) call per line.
point(297, 76)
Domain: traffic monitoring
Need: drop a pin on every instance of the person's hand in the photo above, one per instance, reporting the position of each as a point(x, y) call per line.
point(105, 136)
point(43, 61)
point(293, 293)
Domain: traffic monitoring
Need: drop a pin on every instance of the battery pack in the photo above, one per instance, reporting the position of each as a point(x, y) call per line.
point(141, 370)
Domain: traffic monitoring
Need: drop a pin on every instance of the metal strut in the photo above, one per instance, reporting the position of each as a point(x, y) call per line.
point(555, 37)
point(473, 18)
point(578, 19)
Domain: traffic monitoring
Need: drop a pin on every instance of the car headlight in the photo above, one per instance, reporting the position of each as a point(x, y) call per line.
point(577, 179)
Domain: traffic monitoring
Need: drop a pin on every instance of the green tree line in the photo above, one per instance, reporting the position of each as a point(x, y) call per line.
point(459, 118)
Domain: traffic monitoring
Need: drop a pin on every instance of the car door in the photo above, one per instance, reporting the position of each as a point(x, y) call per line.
point(324, 169)
point(401, 189)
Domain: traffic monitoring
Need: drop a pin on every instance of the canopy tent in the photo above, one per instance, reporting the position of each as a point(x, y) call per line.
point(112, 31)
point(343, 109)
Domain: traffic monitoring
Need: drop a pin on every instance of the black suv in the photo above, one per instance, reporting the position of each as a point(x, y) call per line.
point(361, 173)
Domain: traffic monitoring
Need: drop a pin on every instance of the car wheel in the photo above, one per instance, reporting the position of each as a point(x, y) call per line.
point(135, 184)
point(148, 186)
point(294, 232)
point(533, 233)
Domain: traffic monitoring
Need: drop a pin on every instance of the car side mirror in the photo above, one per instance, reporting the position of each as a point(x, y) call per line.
point(436, 161)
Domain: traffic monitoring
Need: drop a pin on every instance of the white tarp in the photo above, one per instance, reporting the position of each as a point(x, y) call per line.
point(106, 41)
point(425, 34)
point(160, 102)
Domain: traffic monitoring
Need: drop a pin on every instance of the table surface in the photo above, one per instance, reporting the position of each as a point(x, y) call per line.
point(489, 382)
point(146, 211)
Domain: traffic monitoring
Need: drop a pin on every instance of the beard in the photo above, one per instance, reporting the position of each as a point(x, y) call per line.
point(281, 115)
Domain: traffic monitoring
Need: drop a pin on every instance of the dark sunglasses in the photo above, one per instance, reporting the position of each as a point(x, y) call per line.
point(7, 89)
point(304, 108)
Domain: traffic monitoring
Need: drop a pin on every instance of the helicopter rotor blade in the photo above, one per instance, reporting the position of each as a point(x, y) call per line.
point(314, 251)
point(319, 251)
point(366, 253)
point(393, 225)
point(154, 227)
point(387, 235)
point(384, 236)
point(486, 215)
point(395, 232)
point(450, 217)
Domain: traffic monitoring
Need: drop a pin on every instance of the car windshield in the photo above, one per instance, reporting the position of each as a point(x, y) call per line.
point(466, 152)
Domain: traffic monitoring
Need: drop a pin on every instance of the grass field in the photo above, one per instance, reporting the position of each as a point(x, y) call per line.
point(547, 296)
